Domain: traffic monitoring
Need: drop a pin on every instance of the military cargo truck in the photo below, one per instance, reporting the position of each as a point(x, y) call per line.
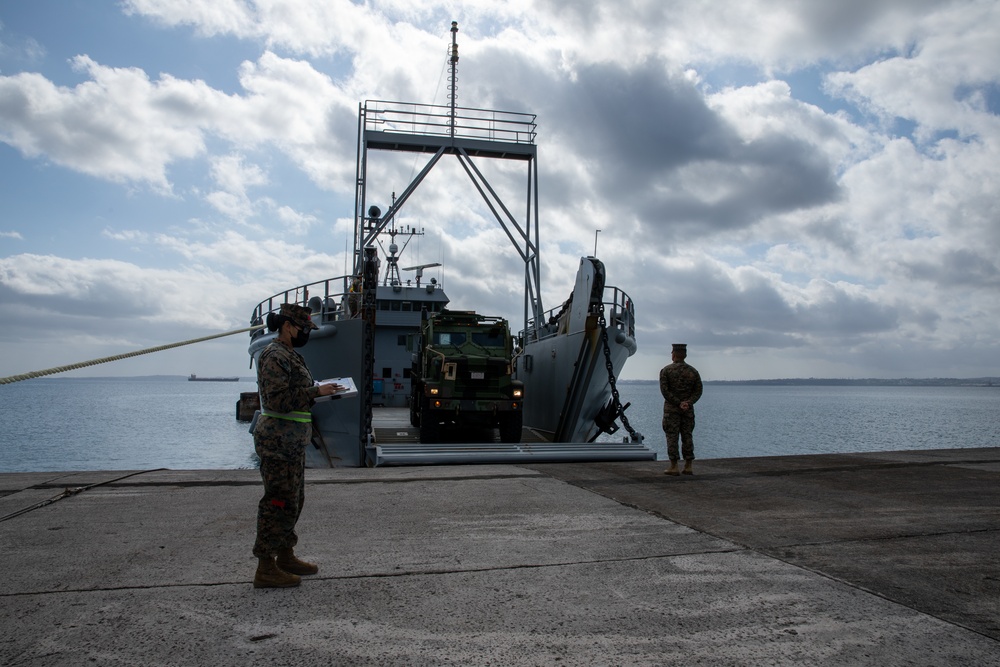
point(461, 376)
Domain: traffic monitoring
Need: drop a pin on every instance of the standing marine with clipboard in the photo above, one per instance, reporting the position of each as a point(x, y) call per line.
point(280, 436)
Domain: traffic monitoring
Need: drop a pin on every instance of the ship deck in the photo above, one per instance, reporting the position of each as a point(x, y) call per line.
point(392, 426)
point(885, 558)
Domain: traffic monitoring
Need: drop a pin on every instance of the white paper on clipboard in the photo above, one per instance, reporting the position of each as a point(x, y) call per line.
point(351, 389)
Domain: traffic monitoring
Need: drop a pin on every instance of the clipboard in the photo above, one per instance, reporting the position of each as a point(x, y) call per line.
point(351, 389)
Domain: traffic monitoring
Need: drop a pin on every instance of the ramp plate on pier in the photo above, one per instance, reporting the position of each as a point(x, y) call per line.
point(491, 452)
point(397, 443)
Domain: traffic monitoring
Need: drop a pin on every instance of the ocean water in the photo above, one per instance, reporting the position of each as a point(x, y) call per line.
point(58, 424)
point(732, 421)
point(62, 424)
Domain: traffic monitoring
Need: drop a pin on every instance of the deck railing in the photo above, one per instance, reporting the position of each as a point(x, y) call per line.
point(435, 120)
point(330, 292)
point(619, 313)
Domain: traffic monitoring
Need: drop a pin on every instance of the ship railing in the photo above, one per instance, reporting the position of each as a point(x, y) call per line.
point(619, 314)
point(329, 299)
point(443, 121)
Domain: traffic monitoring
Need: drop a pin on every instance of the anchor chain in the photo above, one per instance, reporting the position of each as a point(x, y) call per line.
point(617, 410)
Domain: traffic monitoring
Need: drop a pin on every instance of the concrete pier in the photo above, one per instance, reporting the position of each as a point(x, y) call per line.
point(867, 559)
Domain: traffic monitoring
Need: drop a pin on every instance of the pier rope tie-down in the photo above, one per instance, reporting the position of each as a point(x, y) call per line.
point(72, 491)
point(126, 355)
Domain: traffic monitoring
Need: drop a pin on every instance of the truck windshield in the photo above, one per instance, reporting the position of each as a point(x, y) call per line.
point(487, 338)
point(449, 337)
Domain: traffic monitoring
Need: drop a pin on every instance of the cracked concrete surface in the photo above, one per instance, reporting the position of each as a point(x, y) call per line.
point(795, 560)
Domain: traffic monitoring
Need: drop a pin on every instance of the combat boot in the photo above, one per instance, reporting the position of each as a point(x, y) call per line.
point(289, 563)
point(687, 467)
point(672, 470)
point(269, 575)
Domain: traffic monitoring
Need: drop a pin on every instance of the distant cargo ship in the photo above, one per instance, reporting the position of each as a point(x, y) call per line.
point(195, 378)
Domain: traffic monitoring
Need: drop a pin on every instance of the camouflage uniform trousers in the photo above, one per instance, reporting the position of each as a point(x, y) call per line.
point(679, 425)
point(281, 505)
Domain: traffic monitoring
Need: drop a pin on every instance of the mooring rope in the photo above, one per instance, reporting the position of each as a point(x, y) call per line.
point(72, 491)
point(104, 360)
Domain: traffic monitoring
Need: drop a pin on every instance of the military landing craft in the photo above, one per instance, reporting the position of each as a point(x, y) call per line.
point(567, 358)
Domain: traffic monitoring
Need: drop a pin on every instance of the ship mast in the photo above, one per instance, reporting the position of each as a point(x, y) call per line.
point(392, 276)
point(453, 76)
point(464, 133)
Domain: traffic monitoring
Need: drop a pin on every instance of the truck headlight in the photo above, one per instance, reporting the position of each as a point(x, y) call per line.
point(518, 393)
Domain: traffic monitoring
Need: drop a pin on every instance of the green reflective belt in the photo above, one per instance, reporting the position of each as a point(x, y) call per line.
point(297, 416)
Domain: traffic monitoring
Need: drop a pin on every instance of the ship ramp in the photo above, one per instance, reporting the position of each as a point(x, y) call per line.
point(397, 443)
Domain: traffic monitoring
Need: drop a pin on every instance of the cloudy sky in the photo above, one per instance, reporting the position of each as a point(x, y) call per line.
point(794, 189)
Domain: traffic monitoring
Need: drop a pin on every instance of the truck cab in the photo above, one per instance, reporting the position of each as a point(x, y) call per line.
point(461, 376)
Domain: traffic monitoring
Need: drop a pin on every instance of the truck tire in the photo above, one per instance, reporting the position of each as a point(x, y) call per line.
point(430, 428)
point(510, 427)
point(414, 403)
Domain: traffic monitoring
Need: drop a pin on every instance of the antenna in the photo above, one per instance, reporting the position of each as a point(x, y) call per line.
point(420, 270)
point(453, 75)
point(392, 256)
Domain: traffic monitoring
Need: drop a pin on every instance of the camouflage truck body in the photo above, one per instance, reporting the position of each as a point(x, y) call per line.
point(461, 376)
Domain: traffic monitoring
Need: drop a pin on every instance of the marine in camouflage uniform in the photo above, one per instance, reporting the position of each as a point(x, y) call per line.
point(680, 385)
point(282, 432)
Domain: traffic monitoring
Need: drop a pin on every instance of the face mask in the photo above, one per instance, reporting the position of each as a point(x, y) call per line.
point(301, 338)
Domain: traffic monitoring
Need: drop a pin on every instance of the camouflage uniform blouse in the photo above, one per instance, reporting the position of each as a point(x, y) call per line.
point(679, 382)
point(286, 386)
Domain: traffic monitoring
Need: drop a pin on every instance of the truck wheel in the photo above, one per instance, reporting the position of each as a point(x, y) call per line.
point(413, 401)
point(510, 427)
point(430, 429)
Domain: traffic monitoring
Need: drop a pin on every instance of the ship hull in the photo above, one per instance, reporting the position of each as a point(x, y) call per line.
point(569, 384)
point(566, 371)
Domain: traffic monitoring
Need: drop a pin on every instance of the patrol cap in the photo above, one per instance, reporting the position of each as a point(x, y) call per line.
point(680, 347)
point(298, 315)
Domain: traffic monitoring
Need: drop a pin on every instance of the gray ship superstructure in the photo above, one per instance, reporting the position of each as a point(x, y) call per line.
point(400, 302)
